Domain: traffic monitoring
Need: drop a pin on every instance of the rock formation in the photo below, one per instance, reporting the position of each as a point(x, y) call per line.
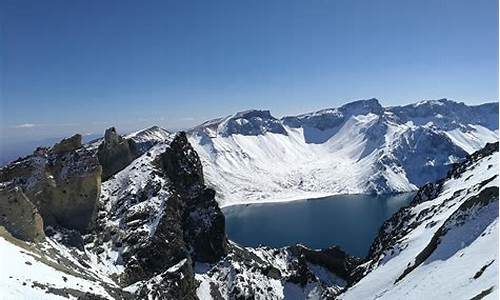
point(19, 216)
point(115, 153)
point(63, 183)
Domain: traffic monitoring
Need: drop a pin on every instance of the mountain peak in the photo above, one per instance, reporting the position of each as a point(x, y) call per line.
point(254, 113)
point(251, 122)
point(362, 107)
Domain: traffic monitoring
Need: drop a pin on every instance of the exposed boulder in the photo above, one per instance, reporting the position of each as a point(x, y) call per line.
point(115, 153)
point(19, 216)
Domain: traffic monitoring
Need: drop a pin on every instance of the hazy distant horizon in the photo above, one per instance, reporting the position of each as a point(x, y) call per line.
point(82, 66)
point(12, 149)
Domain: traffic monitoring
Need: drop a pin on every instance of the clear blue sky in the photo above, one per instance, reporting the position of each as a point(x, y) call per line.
point(83, 65)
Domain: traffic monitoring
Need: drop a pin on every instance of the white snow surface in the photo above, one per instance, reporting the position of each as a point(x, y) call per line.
point(358, 148)
point(448, 273)
point(24, 272)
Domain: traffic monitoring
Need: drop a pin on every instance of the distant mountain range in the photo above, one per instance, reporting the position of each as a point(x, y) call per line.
point(360, 147)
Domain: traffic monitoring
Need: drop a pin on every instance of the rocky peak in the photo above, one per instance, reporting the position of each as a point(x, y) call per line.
point(362, 107)
point(254, 113)
point(111, 137)
point(68, 144)
point(251, 122)
point(168, 220)
point(203, 221)
point(115, 153)
point(334, 117)
point(182, 164)
point(447, 114)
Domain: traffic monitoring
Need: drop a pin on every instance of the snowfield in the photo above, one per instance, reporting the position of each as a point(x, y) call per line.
point(464, 263)
point(358, 148)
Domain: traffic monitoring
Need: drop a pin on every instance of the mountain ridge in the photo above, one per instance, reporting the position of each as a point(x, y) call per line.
point(359, 147)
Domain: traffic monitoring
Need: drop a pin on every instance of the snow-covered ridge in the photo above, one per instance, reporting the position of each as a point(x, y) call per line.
point(444, 246)
point(360, 147)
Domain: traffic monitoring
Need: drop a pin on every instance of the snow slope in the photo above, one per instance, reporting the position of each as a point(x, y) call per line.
point(444, 247)
point(47, 271)
point(360, 147)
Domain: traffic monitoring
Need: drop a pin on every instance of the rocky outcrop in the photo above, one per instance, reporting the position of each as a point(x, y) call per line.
point(19, 216)
point(177, 282)
point(63, 183)
point(67, 190)
point(203, 221)
point(69, 144)
point(115, 153)
point(333, 259)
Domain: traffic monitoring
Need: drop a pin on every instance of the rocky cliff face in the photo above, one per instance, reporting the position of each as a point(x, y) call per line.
point(19, 216)
point(63, 183)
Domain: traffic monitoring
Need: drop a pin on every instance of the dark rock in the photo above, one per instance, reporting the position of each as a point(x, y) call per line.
point(175, 283)
point(333, 259)
point(69, 144)
point(67, 237)
point(115, 153)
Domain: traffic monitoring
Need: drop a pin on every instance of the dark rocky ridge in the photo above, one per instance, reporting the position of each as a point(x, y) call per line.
point(190, 225)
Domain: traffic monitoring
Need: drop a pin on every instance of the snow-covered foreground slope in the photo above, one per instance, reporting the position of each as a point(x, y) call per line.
point(445, 246)
point(360, 147)
point(49, 271)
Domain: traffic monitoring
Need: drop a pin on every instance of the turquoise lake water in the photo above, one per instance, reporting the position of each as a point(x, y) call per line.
point(349, 221)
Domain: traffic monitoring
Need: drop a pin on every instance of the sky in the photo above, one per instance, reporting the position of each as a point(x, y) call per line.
point(84, 65)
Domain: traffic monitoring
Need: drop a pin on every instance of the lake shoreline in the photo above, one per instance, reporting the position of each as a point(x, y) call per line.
point(314, 196)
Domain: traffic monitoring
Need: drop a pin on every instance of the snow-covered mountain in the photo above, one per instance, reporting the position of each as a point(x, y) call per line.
point(361, 147)
point(153, 230)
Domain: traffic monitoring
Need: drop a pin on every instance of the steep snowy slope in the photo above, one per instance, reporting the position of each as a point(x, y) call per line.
point(445, 246)
point(360, 147)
